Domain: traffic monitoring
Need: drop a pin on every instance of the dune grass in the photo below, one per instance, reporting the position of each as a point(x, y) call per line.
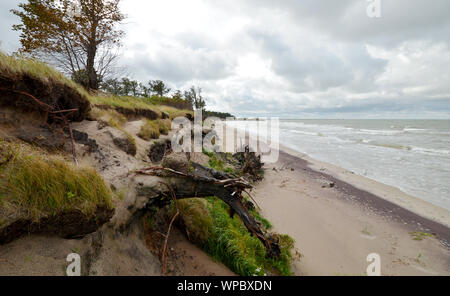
point(111, 117)
point(164, 125)
point(41, 184)
point(227, 239)
point(149, 130)
point(152, 129)
point(134, 103)
point(195, 215)
point(14, 67)
point(123, 102)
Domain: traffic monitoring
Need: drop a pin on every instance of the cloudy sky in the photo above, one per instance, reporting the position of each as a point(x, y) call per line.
point(291, 58)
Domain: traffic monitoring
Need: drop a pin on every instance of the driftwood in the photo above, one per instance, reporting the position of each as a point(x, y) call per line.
point(205, 182)
point(251, 164)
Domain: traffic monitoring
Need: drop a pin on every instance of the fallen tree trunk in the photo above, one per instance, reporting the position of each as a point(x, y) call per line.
point(205, 182)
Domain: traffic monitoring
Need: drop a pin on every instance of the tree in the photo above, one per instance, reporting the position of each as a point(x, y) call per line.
point(145, 91)
point(194, 96)
point(159, 87)
point(74, 35)
point(177, 95)
point(113, 86)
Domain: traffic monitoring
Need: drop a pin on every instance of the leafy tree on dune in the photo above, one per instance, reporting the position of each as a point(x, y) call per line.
point(74, 35)
point(159, 87)
point(194, 96)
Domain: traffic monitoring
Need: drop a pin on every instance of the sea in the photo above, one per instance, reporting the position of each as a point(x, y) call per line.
point(412, 155)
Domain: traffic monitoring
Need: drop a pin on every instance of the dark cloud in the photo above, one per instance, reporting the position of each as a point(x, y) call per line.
point(291, 58)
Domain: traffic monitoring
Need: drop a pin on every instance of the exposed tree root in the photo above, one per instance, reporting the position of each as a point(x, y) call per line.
point(54, 113)
point(205, 182)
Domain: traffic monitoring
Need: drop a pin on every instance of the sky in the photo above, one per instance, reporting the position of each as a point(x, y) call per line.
point(290, 58)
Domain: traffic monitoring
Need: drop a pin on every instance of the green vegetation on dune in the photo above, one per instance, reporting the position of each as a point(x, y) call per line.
point(164, 126)
point(41, 184)
point(152, 129)
point(111, 117)
point(14, 67)
point(136, 103)
point(218, 162)
point(149, 130)
point(227, 240)
point(124, 102)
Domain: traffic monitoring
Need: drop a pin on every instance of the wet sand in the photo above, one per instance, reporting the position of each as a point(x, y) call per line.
point(337, 218)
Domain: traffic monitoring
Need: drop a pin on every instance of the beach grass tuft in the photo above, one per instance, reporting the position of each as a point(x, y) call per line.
point(16, 66)
point(42, 184)
point(149, 130)
point(227, 239)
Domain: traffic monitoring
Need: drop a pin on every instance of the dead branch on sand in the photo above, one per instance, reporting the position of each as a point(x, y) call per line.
point(205, 182)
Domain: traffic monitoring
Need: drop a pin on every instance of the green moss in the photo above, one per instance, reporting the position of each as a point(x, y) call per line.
point(365, 231)
point(42, 184)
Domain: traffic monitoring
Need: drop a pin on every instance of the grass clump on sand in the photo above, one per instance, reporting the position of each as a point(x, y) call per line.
point(164, 125)
point(218, 163)
point(149, 130)
point(228, 241)
point(111, 117)
point(41, 184)
point(152, 129)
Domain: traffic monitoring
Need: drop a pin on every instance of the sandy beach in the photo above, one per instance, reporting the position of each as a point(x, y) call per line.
point(338, 218)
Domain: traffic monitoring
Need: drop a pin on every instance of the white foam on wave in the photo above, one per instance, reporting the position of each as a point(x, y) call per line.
point(411, 158)
point(379, 132)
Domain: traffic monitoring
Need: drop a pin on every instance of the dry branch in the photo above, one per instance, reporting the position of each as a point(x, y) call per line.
point(205, 182)
point(56, 113)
